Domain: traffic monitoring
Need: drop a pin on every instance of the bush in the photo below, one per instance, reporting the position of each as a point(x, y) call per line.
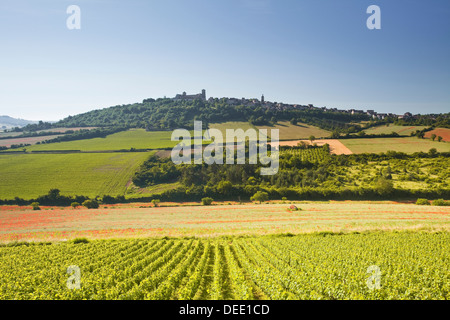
point(156, 202)
point(260, 196)
point(75, 205)
point(35, 206)
point(422, 202)
point(91, 204)
point(80, 240)
point(207, 201)
point(439, 202)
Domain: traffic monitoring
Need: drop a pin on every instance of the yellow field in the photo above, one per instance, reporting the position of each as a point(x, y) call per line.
point(299, 131)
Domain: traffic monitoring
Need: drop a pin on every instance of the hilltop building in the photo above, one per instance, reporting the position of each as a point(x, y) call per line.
point(184, 96)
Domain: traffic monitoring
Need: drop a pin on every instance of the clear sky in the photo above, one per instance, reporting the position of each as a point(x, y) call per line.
point(293, 51)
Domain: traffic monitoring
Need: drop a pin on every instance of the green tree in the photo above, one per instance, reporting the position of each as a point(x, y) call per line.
point(422, 202)
point(224, 187)
point(54, 194)
point(91, 204)
point(260, 196)
point(335, 134)
point(433, 137)
point(432, 152)
point(439, 202)
point(207, 201)
point(75, 205)
point(384, 186)
point(35, 206)
point(439, 138)
point(155, 202)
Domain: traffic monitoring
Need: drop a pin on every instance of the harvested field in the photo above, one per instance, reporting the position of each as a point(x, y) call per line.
point(29, 140)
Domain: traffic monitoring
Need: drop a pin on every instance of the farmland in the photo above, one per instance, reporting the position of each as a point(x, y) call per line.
point(289, 131)
point(407, 145)
point(31, 175)
point(336, 146)
point(191, 219)
point(29, 140)
point(316, 266)
point(137, 138)
point(232, 125)
point(443, 132)
point(401, 130)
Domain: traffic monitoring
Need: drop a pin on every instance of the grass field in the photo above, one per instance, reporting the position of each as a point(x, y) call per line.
point(319, 266)
point(136, 138)
point(232, 125)
point(407, 145)
point(32, 175)
point(401, 130)
point(142, 220)
point(299, 131)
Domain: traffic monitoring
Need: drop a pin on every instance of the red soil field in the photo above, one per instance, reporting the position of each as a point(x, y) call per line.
point(443, 132)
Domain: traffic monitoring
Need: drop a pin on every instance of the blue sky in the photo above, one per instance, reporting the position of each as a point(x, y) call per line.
point(293, 51)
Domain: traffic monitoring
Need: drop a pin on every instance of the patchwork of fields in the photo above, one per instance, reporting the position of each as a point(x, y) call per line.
point(411, 266)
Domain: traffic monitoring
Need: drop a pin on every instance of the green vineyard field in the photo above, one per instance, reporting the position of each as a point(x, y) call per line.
point(314, 266)
point(311, 155)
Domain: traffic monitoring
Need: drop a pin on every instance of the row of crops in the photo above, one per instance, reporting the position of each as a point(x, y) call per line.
point(310, 155)
point(324, 266)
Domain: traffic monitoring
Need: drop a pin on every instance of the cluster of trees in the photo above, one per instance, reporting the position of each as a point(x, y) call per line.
point(41, 125)
point(363, 134)
point(434, 120)
point(54, 198)
point(322, 178)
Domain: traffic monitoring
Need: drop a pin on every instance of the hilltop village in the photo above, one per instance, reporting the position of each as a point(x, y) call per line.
point(284, 106)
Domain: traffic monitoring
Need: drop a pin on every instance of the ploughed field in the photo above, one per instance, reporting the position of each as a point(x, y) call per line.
point(376, 265)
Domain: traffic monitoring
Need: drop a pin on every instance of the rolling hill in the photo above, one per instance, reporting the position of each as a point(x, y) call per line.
point(7, 122)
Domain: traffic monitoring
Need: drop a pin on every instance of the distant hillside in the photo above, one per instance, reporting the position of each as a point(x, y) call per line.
point(7, 122)
point(169, 114)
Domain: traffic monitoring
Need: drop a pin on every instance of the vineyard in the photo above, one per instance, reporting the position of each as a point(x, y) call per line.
point(317, 155)
point(314, 266)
